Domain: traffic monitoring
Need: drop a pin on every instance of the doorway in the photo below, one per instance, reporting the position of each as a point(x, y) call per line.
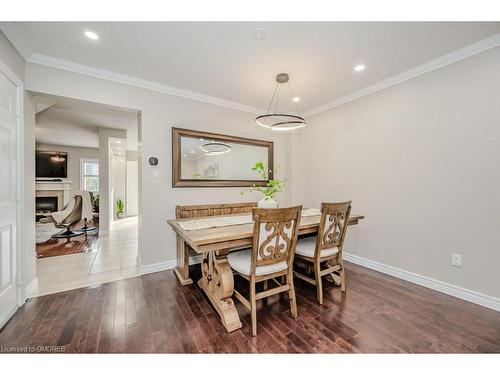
point(98, 142)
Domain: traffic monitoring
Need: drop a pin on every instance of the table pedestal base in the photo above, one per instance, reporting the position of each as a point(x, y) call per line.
point(218, 284)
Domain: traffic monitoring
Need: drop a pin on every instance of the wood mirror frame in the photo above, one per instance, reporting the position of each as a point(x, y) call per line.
point(177, 181)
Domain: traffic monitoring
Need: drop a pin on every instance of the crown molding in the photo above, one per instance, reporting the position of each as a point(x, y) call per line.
point(450, 58)
point(69, 66)
point(14, 36)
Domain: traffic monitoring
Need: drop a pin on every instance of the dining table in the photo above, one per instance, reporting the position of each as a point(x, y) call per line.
point(213, 238)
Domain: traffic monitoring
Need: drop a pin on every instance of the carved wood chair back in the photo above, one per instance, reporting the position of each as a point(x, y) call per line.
point(274, 235)
point(332, 226)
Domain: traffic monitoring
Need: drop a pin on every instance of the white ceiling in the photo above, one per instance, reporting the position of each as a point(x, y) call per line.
point(70, 122)
point(222, 60)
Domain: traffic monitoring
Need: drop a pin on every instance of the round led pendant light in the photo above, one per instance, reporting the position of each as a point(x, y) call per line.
point(57, 158)
point(281, 121)
point(215, 148)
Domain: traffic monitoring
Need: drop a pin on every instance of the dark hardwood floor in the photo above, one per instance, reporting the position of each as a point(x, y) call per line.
point(153, 313)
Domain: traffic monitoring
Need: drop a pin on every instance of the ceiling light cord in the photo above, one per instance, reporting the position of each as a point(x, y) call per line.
point(277, 99)
point(272, 99)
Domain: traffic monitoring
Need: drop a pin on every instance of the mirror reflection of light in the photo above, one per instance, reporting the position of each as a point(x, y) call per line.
point(57, 158)
point(215, 148)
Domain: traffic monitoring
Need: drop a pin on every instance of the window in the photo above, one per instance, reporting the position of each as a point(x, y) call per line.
point(90, 175)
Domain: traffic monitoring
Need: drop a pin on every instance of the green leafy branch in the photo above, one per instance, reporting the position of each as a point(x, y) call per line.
point(272, 187)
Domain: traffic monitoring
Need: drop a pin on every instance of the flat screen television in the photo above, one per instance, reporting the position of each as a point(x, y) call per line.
point(51, 164)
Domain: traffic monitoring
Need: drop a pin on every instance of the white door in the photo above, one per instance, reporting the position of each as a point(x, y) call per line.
point(132, 188)
point(8, 204)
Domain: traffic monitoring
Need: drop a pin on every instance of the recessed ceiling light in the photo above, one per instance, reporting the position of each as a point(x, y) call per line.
point(185, 155)
point(296, 99)
point(91, 35)
point(259, 34)
point(191, 152)
point(359, 68)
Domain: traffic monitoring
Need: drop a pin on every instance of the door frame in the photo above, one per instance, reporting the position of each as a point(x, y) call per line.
point(11, 76)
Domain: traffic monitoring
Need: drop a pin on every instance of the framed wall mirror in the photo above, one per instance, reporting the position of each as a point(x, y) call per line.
point(201, 159)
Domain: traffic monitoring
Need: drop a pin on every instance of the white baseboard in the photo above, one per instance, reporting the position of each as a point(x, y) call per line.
point(168, 265)
point(32, 288)
point(440, 286)
point(157, 267)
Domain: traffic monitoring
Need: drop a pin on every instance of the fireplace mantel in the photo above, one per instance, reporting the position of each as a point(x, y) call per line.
point(44, 188)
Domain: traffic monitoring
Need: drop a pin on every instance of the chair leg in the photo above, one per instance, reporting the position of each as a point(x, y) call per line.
point(308, 269)
point(291, 295)
point(319, 286)
point(265, 286)
point(342, 278)
point(253, 307)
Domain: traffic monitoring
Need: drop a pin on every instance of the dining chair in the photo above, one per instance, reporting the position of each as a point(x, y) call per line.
point(324, 252)
point(275, 233)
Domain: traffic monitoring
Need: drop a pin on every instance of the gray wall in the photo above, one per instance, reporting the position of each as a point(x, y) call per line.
point(421, 161)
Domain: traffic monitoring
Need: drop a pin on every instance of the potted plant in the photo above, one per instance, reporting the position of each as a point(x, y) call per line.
point(95, 203)
point(272, 187)
point(120, 208)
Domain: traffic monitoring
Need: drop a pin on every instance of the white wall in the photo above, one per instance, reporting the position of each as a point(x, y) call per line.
point(422, 161)
point(15, 63)
point(132, 184)
point(159, 113)
point(75, 154)
point(105, 177)
point(118, 169)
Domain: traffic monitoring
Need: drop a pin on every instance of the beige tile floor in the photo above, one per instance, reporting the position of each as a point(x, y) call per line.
point(113, 257)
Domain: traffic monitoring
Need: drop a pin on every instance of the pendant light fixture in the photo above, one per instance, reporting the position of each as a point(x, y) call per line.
point(281, 121)
point(57, 157)
point(215, 148)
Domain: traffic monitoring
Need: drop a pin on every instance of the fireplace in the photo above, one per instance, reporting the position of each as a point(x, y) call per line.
point(45, 205)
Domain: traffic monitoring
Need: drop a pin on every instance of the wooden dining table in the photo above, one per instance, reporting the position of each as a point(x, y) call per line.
point(213, 244)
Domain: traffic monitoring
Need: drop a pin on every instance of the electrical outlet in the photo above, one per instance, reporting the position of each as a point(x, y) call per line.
point(456, 260)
